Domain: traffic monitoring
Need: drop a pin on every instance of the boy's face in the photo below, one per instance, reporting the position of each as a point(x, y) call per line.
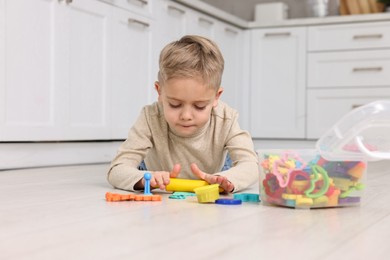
point(187, 104)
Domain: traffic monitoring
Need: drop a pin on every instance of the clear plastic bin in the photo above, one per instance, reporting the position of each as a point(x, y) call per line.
point(334, 174)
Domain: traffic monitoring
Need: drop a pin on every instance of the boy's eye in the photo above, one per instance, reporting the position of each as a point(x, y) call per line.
point(200, 107)
point(174, 106)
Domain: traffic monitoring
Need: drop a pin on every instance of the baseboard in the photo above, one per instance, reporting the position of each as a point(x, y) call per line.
point(27, 155)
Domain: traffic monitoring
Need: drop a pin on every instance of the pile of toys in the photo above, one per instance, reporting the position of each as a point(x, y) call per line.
point(182, 188)
point(293, 182)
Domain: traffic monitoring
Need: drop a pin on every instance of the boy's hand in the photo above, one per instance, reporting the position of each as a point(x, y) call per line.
point(223, 182)
point(160, 179)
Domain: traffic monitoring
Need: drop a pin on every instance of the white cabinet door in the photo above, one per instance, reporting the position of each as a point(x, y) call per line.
point(56, 70)
point(2, 70)
point(230, 42)
point(131, 74)
point(278, 83)
point(28, 93)
point(84, 52)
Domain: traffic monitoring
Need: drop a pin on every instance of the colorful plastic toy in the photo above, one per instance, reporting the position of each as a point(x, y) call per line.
point(180, 195)
point(185, 185)
point(209, 193)
point(131, 197)
point(228, 202)
point(147, 196)
point(247, 197)
point(147, 177)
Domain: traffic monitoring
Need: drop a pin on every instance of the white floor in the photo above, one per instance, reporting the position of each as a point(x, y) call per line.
point(60, 213)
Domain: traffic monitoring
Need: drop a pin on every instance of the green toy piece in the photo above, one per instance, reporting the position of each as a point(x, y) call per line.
point(181, 195)
point(247, 197)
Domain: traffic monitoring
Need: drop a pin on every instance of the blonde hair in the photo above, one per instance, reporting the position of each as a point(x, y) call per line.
point(192, 57)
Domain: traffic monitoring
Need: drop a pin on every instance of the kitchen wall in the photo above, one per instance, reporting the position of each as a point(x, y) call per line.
point(245, 8)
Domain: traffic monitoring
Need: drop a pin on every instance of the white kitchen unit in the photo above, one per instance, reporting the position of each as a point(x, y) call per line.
point(80, 70)
point(72, 69)
point(348, 66)
point(277, 97)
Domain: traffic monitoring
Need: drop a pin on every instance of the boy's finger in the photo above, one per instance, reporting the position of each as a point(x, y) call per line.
point(153, 183)
point(202, 175)
point(195, 170)
point(165, 179)
point(175, 171)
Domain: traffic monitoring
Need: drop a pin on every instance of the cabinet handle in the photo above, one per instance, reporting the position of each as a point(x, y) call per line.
point(230, 30)
point(201, 19)
point(281, 34)
point(171, 7)
point(367, 69)
point(131, 20)
point(356, 106)
point(66, 1)
point(367, 36)
point(144, 2)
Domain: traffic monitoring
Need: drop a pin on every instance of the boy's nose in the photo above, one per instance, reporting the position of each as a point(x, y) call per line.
point(186, 114)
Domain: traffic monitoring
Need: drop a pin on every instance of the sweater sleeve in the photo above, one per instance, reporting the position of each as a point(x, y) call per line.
point(244, 171)
point(123, 172)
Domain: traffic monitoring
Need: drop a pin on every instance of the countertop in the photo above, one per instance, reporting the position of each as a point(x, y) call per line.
point(236, 21)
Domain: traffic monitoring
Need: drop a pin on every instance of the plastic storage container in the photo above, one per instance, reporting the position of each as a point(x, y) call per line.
point(333, 174)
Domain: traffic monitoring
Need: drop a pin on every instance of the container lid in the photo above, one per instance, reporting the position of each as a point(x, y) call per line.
point(362, 134)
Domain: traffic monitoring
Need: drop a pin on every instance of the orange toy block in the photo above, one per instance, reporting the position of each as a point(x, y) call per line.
point(334, 198)
point(358, 170)
point(131, 197)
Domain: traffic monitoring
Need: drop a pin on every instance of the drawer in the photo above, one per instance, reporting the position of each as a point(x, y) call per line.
point(325, 107)
point(349, 36)
point(349, 69)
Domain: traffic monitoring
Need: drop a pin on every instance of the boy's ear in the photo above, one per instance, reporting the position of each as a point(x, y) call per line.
point(157, 87)
point(217, 95)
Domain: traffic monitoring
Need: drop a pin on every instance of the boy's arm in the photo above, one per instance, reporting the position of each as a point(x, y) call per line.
point(244, 171)
point(123, 172)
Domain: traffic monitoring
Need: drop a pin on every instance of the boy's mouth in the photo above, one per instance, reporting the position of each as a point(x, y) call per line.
point(187, 126)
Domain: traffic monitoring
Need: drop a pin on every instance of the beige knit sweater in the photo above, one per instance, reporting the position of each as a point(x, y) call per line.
point(151, 140)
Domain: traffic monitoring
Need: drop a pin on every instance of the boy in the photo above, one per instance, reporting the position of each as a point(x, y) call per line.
point(188, 132)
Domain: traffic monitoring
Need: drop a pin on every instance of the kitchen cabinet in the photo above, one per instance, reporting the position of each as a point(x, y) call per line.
point(348, 66)
point(56, 70)
point(278, 85)
point(328, 106)
point(89, 66)
point(72, 70)
point(28, 97)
